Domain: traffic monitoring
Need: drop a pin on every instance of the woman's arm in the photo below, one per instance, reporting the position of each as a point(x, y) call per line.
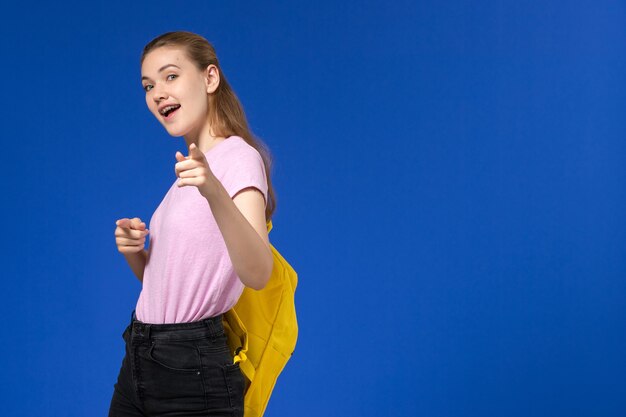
point(241, 219)
point(137, 262)
point(242, 223)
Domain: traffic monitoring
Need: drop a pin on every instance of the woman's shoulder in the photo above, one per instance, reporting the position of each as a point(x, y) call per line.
point(239, 146)
point(239, 141)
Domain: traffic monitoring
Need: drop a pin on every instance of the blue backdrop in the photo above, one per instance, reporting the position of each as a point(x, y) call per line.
point(451, 190)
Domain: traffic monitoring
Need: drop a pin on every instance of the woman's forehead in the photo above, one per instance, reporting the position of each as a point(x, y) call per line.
point(159, 57)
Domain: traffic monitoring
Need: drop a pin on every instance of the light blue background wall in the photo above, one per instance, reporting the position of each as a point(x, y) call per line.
point(451, 190)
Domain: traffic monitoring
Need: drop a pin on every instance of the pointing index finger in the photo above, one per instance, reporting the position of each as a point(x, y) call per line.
point(195, 152)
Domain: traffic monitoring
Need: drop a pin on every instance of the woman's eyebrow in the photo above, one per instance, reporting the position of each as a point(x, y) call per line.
point(161, 69)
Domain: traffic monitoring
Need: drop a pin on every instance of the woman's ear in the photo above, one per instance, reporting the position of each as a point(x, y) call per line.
point(211, 78)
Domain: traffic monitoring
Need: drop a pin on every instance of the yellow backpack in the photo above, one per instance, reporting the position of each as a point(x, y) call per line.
point(262, 330)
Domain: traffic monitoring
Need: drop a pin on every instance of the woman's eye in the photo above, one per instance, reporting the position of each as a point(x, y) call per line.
point(148, 85)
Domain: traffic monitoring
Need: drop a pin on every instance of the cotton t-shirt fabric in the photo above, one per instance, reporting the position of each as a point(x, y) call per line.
point(189, 275)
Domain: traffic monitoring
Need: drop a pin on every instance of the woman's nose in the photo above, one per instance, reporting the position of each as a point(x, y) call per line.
point(159, 94)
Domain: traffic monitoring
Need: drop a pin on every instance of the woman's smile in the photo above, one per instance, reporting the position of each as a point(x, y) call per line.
point(169, 116)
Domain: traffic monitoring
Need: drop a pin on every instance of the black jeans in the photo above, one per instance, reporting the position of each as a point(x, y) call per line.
point(179, 369)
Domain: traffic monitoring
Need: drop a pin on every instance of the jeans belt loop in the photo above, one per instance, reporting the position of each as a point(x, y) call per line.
point(209, 323)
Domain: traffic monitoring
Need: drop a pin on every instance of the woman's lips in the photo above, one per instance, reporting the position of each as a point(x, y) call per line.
point(170, 115)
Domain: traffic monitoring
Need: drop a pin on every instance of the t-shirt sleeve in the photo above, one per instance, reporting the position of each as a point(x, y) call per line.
point(244, 169)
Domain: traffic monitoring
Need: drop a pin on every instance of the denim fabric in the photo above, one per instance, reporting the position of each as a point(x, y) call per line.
point(179, 369)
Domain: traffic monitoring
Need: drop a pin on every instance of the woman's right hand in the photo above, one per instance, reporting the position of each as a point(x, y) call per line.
point(130, 235)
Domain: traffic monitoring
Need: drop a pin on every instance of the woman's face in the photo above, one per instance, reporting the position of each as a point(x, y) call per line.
point(169, 77)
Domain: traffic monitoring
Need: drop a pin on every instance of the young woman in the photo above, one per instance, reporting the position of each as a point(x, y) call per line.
point(208, 239)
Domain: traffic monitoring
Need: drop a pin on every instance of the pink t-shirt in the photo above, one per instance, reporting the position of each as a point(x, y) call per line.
point(189, 275)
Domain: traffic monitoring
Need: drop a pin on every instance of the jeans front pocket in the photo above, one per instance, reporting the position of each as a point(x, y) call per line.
point(180, 357)
point(170, 378)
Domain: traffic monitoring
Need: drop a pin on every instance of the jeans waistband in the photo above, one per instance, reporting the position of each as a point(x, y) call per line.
point(212, 327)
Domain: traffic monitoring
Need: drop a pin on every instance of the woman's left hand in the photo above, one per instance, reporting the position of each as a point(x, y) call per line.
point(194, 170)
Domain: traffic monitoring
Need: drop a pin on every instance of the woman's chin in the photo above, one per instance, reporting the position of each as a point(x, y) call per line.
point(175, 131)
point(178, 128)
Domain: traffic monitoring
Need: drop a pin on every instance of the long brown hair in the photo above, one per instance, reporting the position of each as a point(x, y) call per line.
point(226, 113)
